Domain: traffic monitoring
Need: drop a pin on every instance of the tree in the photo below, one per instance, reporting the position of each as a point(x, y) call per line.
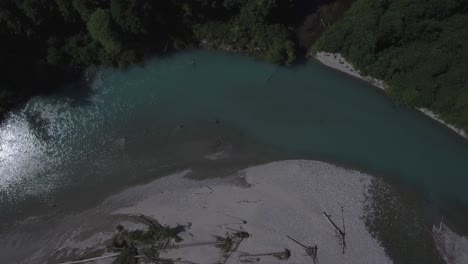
point(67, 10)
point(128, 16)
point(102, 29)
point(418, 47)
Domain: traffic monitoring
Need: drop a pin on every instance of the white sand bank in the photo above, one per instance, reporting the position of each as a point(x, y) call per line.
point(276, 199)
point(338, 62)
point(434, 116)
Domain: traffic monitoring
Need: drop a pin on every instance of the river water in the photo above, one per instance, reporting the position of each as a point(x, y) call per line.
point(133, 125)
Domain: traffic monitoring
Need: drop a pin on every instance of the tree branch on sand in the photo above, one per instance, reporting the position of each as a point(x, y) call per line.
point(310, 251)
point(151, 221)
point(283, 255)
point(91, 259)
point(341, 233)
point(146, 246)
point(231, 244)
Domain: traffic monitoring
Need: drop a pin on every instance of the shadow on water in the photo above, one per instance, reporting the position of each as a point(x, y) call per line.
point(80, 92)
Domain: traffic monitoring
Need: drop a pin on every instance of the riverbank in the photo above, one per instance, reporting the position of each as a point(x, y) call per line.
point(270, 202)
point(309, 201)
point(312, 202)
point(275, 200)
point(338, 62)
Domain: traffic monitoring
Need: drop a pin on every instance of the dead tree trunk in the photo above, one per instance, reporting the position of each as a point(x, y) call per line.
point(341, 233)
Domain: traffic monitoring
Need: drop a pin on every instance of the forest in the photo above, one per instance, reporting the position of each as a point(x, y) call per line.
point(419, 48)
point(54, 41)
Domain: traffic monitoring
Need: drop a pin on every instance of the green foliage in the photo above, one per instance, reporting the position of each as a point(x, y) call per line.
point(81, 50)
point(127, 256)
point(418, 47)
point(35, 9)
point(67, 10)
point(84, 8)
point(215, 33)
point(227, 243)
point(141, 236)
point(102, 29)
point(290, 51)
point(153, 235)
point(251, 31)
point(132, 15)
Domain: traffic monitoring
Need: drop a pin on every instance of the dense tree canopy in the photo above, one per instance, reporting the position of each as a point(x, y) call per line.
point(420, 48)
point(101, 28)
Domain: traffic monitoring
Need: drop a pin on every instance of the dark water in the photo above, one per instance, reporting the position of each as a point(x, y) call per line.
point(156, 117)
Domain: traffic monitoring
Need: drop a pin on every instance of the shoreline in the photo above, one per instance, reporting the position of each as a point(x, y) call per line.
point(272, 205)
point(338, 62)
point(262, 200)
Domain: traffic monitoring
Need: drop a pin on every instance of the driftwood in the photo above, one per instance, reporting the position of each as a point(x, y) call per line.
point(323, 23)
point(239, 233)
point(225, 224)
point(283, 255)
point(441, 244)
point(242, 220)
point(249, 259)
point(299, 243)
point(342, 217)
point(151, 250)
point(340, 232)
point(247, 201)
point(166, 261)
point(158, 260)
point(271, 75)
point(195, 244)
point(92, 259)
point(148, 220)
point(310, 251)
point(240, 237)
point(328, 217)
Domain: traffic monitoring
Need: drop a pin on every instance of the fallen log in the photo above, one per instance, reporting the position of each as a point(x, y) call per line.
point(149, 220)
point(341, 233)
point(310, 251)
point(283, 255)
point(91, 259)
